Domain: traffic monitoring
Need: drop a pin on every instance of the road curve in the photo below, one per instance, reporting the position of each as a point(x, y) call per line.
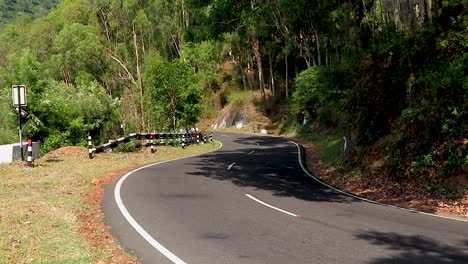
point(251, 202)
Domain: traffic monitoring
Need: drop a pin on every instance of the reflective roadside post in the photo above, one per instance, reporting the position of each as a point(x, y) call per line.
point(152, 143)
point(90, 147)
point(30, 154)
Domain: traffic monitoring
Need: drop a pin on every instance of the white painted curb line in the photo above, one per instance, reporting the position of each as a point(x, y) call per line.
point(140, 230)
point(364, 199)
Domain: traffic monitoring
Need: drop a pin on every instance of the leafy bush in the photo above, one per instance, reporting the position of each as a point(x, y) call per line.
point(8, 120)
point(320, 96)
point(75, 110)
point(131, 146)
point(54, 141)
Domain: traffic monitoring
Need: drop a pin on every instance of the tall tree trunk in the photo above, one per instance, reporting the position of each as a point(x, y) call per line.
point(317, 41)
point(249, 75)
point(314, 62)
point(139, 80)
point(307, 59)
point(243, 75)
point(126, 75)
point(184, 20)
point(286, 78)
point(258, 58)
point(240, 62)
point(174, 121)
point(338, 56)
point(272, 79)
point(173, 112)
point(327, 63)
point(436, 8)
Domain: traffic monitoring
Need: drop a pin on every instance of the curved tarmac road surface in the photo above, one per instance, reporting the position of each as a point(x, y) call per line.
point(250, 202)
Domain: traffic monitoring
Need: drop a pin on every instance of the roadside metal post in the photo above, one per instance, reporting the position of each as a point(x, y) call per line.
point(152, 143)
point(345, 143)
point(183, 141)
point(30, 152)
point(90, 147)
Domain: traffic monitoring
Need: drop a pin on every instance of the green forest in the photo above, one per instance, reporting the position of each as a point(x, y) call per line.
point(387, 74)
point(12, 9)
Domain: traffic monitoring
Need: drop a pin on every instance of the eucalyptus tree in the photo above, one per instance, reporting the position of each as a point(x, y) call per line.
point(174, 95)
point(248, 20)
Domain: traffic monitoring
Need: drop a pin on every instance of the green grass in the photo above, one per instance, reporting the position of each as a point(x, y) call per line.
point(328, 142)
point(240, 98)
point(39, 205)
point(329, 145)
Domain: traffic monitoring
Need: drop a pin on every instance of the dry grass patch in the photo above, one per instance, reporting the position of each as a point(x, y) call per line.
point(50, 213)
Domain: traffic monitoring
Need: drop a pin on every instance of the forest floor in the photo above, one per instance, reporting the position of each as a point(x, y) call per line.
point(321, 159)
point(379, 188)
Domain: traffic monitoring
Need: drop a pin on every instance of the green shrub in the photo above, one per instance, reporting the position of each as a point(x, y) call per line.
point(131, 146)
point(54, 141)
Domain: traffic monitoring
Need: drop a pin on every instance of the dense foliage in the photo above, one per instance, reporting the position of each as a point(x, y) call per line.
point(387, 73)
point(10, 9)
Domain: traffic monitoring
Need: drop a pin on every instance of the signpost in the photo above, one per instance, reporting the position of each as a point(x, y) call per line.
point(19, 100)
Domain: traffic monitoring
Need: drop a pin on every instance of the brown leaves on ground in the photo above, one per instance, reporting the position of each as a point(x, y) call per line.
point(94, 229)
point(379, 188)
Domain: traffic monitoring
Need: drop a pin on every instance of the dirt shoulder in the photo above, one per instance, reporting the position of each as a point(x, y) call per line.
point(381, 189)
point(94, 230)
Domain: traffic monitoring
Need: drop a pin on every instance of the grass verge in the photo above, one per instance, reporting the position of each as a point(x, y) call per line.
point(48, 212)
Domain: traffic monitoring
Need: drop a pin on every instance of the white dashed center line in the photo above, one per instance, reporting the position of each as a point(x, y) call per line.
point(230, 166)
point(272, 207)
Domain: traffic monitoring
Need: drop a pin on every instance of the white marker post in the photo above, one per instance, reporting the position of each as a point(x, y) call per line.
point(19, 100)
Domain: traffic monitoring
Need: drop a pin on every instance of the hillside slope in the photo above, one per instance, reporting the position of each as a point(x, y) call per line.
point(326, 160)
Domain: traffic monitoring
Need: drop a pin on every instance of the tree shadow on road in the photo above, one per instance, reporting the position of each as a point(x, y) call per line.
point(415, 249)
point(271, 165)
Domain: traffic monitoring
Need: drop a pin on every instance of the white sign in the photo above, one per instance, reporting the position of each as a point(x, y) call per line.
point(22, 113)
point(19, 95)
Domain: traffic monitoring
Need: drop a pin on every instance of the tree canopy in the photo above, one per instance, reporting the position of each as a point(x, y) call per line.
point(376, 70)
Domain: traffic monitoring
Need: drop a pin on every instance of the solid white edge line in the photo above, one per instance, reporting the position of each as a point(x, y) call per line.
point(140, 230)
point(230, 166)
point(364, 199)
point(271, 206)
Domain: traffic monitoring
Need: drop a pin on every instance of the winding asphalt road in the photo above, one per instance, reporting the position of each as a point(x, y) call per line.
point(251, 202)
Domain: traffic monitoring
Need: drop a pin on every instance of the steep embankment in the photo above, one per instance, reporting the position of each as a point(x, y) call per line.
point(325, 159)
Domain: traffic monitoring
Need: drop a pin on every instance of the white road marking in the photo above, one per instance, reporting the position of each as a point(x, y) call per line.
point(230, 166)
point(251, 152)
point(364, 199)
point(271, 206)
point(118, 199)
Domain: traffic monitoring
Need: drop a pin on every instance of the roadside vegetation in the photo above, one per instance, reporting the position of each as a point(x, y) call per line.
point(390, 76)
point(50, 213)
